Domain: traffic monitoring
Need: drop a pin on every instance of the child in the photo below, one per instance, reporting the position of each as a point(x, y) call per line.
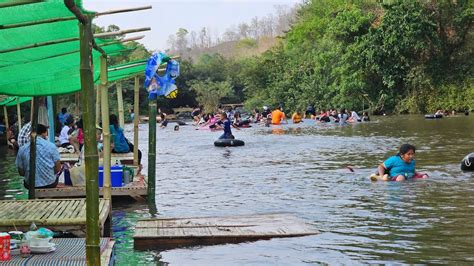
point(226, 124)
point(400, 167)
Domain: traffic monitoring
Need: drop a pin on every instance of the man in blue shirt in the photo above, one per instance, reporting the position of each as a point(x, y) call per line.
point(47, 161)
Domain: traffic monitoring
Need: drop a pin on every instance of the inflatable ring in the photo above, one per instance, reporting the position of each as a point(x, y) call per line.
point(228, 143)
point(432, 116)
point(467, 163)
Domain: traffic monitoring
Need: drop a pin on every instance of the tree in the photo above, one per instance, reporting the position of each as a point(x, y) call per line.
point(210, 93)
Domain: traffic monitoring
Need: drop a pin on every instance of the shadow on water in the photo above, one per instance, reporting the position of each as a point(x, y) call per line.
point(302, 169)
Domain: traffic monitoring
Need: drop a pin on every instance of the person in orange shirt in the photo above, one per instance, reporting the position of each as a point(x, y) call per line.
point(297, 117)
point(278, 116)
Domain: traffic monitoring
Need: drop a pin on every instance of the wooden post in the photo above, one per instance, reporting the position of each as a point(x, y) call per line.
point(120, 104)
point(18, 111)
point(77, 101)
point(5, 113)
point(32, 165)
point(97, 105)
point(136, 110)
point(90, 144)
point(49, 104)
point(152, 156)
point(105, 126)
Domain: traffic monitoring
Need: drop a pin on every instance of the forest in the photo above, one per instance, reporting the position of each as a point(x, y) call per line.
point(379, 56)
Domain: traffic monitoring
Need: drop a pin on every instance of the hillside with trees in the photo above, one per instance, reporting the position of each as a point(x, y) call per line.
point(395, 56)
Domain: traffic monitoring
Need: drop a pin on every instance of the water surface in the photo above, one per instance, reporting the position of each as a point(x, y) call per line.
point(301, 169)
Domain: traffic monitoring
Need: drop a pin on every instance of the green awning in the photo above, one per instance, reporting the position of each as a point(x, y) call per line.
point(45, 70)
point(11, 101)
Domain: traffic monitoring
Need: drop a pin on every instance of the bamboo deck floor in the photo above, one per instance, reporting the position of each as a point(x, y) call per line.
point(69, 251)
point(135, 190)
point(124, 158)
point(56, 214)
point(165, 233)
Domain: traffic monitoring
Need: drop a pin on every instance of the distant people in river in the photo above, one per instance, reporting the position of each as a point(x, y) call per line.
point(118, 143)
point(164, 120)
point(401, 166)
point(297, 117)
point(226, 125)
point(310, 112)
point(239, 122)
point(257, 116)
point(48, 163)
point(266, 111)
point(354, 117)
point(342, 116)
point(365, 117)
point(278, 116)
point(196, 114)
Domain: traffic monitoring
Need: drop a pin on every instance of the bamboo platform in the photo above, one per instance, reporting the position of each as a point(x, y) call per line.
point(136, 190)
point(124, 158)
point(165, 233)
point(69, 251)
point(56, 214)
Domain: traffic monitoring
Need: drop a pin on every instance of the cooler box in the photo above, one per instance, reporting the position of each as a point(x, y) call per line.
point(115, 175)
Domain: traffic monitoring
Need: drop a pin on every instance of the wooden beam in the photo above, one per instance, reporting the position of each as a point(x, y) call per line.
point(30, 23)
point(128, 66)
point(77, 51)
point(53, 20)
point(122, 10)
point(120, 32)
point(18, 113)
point(19, 3)
point(40, 44)
point(136, 111)
point(5, 113)
point(104, 97)
point(120, 104)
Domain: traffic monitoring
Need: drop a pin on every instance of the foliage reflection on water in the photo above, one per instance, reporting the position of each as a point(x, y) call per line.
point(302, 169)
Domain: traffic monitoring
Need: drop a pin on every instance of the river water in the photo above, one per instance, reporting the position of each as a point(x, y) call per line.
point(301, 169)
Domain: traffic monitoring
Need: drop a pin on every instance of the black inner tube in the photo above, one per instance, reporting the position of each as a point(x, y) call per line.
point(229, 142)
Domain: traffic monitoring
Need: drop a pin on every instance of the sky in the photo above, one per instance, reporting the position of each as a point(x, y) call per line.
point(167, 16)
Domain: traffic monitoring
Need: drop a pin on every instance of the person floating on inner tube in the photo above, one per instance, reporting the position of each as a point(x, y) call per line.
point(400, 167)
point(226, 124)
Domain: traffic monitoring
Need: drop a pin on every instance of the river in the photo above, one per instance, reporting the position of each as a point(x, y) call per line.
point(301, 169)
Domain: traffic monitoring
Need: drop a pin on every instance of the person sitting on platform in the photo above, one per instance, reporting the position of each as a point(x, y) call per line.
point(48, 165)
point(24, 134)
point(66, 137)
point(118, 141)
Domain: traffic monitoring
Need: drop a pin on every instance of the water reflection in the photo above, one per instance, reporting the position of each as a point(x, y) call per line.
point(302, 169)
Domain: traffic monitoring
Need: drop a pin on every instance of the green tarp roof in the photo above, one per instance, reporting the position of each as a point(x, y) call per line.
point(46, 70)
point(11, 101)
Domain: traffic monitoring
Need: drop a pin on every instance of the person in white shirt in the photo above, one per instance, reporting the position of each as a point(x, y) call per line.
point(65, 137)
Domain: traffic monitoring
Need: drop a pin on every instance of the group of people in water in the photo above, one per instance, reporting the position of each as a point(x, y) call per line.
point(399, 167)
point(269, 117)
point(69, 139)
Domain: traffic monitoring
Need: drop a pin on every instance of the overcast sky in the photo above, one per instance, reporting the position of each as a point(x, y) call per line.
point(168, 16)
